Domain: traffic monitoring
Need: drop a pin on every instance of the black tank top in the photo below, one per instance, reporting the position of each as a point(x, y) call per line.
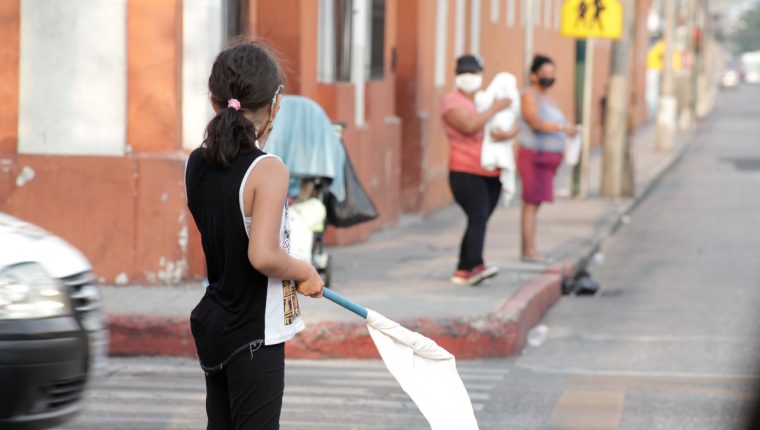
point(241, 309)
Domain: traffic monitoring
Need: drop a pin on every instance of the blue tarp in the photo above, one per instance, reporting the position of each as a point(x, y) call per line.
point(304, 138)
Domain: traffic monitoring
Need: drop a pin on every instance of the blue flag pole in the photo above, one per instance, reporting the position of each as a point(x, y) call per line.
point(348, 304)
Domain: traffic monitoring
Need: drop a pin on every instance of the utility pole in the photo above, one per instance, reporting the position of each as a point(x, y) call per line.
point(691, 47)
point(618, 100)
point(666, 112)
point(696, 70)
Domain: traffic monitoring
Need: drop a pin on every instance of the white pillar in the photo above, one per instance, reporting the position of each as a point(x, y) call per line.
point(326, 42)
point(359, 41)
point(199, 49)
point(527, 14)
point(459, 16)
point(475, 27)
point(495, 10)
point(441, 23)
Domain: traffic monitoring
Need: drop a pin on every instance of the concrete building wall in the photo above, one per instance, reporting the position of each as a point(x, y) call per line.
point(501, 45)
point(73, 73)
point(115, 193)
point(118, 194)
point(291, 26)
point(10, 21)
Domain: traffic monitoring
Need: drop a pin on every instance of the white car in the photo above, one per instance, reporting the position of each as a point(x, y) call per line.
point(730, 79)
point(52, 333)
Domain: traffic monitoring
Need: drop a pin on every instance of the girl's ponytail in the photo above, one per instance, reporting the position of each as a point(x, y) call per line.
point(244, 78)
point(228, 134)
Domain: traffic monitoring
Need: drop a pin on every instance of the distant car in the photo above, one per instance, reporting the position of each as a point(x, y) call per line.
point(750, 63)
point(730, 79)
point(52, 334)
point(752, 76)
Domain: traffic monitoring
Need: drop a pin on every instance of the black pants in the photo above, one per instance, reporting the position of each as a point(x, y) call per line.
point(247, 394)
point(477, 196)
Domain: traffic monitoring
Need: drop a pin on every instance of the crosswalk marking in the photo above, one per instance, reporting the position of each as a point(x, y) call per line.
point(393, 383)
point(155, 394)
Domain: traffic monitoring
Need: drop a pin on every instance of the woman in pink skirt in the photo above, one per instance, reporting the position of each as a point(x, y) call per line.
point(542, 141)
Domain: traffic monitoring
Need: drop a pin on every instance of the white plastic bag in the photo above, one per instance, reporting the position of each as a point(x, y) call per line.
point(301, 237)
point(573, 148)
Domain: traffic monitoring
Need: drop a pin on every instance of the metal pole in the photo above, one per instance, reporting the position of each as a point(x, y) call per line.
point(698, 27)
point(666, 113)
point(342, 301)
point(588, 82)
point(616, 121)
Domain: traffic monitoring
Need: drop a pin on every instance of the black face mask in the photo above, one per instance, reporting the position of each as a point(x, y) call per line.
point(546, 82)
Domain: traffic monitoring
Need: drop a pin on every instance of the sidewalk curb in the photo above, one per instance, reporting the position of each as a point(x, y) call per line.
point(498, 334)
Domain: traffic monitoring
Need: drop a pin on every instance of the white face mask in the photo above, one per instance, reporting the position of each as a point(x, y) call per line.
point(468, 82)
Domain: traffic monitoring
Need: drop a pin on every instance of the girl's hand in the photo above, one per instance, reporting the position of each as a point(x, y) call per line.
point(313, 284)
point(571, 130)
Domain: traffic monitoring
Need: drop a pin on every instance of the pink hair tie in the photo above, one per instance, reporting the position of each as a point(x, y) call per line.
point(234, 104)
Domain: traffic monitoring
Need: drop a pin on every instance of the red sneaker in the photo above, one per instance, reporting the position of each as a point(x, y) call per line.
point(461, 277)
point(474, 276)
point(483, 272)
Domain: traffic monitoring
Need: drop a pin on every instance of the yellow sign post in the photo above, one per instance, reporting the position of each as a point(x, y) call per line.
point(682, 60)
point(589, 19)
point(592, 19)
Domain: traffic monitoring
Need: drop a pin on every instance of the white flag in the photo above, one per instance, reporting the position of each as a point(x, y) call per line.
point(426, 372)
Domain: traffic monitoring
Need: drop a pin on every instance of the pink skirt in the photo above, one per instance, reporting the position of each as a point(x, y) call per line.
point(537, 170)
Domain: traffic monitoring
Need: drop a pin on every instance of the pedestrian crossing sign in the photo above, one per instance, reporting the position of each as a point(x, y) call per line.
point(592, 19)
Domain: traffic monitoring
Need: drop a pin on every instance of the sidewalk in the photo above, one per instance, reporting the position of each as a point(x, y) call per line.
point(403, 273)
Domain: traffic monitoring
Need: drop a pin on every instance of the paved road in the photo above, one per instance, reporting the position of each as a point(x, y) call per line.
point(671, 343)
point(168, 393)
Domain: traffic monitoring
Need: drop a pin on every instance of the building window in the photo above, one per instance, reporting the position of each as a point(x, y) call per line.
point(343, 30)
point(377, 40)
point(234, 18)
point(336, 34)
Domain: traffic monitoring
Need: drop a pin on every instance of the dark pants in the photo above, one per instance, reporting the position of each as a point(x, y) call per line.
point(477, 196)
point(247, 394)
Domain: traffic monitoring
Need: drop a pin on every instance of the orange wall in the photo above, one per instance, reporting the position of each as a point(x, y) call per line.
point(406, 108)
point(126, 214)
point(400, 153)
point(154, 57)
point(502, 48)
point(291, 26)
point(9, 80)
point(279, 25)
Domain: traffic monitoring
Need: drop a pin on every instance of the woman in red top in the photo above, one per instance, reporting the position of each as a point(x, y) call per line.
point(475, 189)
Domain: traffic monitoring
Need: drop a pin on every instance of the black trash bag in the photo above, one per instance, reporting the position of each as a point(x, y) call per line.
point(568, 285)
point(584, 284)
point(356, 208)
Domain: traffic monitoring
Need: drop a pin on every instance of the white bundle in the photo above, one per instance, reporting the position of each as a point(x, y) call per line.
point(500, 155)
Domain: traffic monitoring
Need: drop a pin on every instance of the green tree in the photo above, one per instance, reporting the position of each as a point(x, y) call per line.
point(746, 37)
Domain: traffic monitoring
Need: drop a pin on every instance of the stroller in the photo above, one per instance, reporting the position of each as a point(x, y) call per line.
point(323, 186)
